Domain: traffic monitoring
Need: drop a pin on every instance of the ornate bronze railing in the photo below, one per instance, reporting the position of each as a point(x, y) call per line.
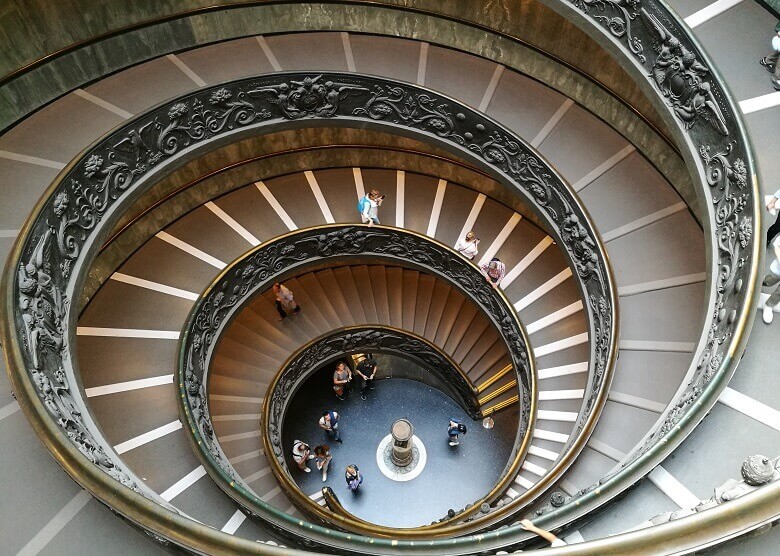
point(58, 242)
point(291, 254)
point(732, 217)
point(336, 345)
point(654, 44)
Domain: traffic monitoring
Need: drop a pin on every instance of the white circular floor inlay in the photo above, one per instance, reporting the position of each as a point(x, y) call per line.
point(390, 470)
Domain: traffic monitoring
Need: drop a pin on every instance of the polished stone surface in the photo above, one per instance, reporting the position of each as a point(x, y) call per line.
point(452, 477)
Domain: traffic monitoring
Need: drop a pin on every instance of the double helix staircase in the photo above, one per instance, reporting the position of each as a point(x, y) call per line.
point(127, 336)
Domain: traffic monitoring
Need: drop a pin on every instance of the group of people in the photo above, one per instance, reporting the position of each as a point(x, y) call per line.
point(494, 270)
point(468, 246)
point(329, 422)
point(366, 369)
point(343, 377)
point(302, 453)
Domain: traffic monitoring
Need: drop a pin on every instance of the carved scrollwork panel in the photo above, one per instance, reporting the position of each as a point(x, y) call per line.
point(55, 251)
point(259, 268)
point(345, 342)
point(693, 94)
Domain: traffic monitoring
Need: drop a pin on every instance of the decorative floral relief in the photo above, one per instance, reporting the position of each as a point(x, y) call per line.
point(420, 110)
point(68, 223)
point(693, 96)
point(308, 97)
point(351, 341)
point(680, 76)
point(617, 16)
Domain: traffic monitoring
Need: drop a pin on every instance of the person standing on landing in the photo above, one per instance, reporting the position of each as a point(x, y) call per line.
point(366, 369)
point(468, 246)
point(329, 422)
point(323, 457)
point(285, 301)
point(454, 429)
point(301, 455)
point(354, 477)
point(342, 376)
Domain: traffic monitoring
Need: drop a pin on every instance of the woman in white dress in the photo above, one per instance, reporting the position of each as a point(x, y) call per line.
point(468, 246)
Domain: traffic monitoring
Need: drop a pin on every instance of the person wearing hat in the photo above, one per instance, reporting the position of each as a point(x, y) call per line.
point(770, 61)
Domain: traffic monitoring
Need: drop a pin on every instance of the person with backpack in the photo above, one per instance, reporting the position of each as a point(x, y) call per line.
point(329, 422)
point(368, 207)
point(454, 429)
point(354, 477)
point(301, 454)
point(366, 370)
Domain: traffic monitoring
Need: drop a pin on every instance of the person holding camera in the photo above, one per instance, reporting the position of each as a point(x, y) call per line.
point(468, 246)
point(369, 207)
point(454, 429)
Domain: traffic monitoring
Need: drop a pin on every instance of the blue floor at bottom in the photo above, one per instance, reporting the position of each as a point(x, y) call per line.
point(453, 476)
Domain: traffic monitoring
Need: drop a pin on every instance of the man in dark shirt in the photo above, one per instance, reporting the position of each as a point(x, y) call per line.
point(366, 370)
point(454, 429)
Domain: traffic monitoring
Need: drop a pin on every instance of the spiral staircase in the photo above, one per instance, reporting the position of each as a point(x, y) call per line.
point(595, 468)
